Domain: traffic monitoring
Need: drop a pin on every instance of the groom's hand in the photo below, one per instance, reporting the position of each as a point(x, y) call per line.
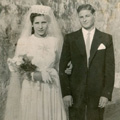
point(68, 70)
point(68, 101)
point(102, 102)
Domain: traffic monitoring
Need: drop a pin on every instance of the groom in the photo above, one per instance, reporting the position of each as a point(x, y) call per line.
point(89, 87)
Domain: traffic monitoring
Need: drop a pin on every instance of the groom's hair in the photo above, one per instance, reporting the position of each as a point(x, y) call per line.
point(86, 7)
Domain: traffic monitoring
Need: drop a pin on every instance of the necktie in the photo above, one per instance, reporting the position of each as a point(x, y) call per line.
point(88, 48)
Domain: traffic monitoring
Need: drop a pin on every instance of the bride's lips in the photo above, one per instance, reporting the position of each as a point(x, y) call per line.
point(41, 30)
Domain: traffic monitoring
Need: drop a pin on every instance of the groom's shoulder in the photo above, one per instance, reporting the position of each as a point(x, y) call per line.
point(106, 37)
point(72, 34)
point(104, 33)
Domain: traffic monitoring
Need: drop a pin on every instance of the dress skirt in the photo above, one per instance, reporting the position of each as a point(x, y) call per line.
point(41, 101)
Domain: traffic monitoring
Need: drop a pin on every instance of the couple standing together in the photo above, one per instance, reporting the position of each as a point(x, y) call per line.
point(88, 87)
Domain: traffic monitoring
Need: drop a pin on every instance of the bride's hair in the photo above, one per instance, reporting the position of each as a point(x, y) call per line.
point(33, 15)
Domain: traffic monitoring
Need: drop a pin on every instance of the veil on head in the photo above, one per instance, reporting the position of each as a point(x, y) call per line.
point(53, 29)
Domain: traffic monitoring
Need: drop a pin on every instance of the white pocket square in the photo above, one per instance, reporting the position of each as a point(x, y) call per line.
point(101, 46)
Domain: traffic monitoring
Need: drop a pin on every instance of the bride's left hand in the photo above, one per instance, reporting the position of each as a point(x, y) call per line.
point(46, 77)
point(42, 76)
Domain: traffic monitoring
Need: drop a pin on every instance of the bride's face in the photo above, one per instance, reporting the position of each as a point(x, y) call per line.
point(40, 25)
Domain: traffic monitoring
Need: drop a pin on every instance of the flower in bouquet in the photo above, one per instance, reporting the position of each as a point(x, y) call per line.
point(27, 67)
point(13, 63)
point(23, 64)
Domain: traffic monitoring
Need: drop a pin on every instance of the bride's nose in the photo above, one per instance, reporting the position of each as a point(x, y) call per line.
point(40, 26)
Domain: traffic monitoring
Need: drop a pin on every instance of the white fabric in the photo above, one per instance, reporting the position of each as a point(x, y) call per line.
point(13, 107)
point(37, 101)
point(41, 101)
point(40, 9)
point(101, 47)
point(44, 103)
point(53, 29)
point(85, 32)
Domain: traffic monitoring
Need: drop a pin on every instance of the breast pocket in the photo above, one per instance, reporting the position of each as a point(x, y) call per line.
point(101, 51)
point(100, 54)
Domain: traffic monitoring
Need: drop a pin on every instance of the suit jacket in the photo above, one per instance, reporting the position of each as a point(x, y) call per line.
point(95, 81)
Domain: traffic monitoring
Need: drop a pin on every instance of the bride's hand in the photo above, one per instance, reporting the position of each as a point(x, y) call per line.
point(46, 77)
point(37, 76)
point(42, 77)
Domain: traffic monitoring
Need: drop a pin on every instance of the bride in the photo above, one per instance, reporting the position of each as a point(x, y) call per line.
point(37, 97)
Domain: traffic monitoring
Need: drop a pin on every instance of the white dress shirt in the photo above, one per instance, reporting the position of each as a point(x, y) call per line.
point(85, 34)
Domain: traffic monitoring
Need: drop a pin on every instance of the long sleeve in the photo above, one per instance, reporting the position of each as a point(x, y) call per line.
point(109, 70)
point(58, 49)
point(65, 58)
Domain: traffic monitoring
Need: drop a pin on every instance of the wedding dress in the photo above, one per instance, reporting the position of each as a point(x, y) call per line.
point(40, 100)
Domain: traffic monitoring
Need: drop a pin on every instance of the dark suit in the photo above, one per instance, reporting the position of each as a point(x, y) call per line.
point(87, 85)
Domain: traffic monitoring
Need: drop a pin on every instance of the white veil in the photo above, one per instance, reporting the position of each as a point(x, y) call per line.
point(53, 29)
point(12, 111)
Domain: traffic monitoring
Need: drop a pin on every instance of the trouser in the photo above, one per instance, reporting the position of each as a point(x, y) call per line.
point(88, 110)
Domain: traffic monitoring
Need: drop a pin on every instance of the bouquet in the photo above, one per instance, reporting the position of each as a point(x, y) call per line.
point(27, 65)
point(23, 64)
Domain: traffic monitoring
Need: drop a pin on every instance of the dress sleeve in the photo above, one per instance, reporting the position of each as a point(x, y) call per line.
point(57, 48)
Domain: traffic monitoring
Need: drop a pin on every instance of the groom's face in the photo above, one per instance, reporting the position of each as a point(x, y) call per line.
point(87, 19)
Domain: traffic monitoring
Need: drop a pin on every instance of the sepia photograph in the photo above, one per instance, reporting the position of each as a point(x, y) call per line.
point(59, 59)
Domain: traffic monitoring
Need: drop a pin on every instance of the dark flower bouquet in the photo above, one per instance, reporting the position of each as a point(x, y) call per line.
point(26, 66)
point(23, 65)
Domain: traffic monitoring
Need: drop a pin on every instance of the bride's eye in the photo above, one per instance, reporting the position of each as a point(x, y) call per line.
point(44, 22)
point(36, 22)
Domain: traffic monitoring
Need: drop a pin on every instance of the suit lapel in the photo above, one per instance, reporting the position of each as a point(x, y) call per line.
point(96, 42)
point(80, 42)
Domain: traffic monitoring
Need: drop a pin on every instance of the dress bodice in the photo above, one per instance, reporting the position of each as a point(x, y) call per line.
point(43, 50)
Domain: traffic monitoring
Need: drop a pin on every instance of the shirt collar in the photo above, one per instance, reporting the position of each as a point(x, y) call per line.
point(86, 31)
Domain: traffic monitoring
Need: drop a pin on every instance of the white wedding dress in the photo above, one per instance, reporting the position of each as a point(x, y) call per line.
point(41, 101)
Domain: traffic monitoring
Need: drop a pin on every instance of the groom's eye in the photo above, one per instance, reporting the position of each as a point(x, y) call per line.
point(87, 15)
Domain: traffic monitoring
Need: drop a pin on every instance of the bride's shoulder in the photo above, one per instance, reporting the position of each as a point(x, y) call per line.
point(53, 39)
point(31, 37)
point(23, 40)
